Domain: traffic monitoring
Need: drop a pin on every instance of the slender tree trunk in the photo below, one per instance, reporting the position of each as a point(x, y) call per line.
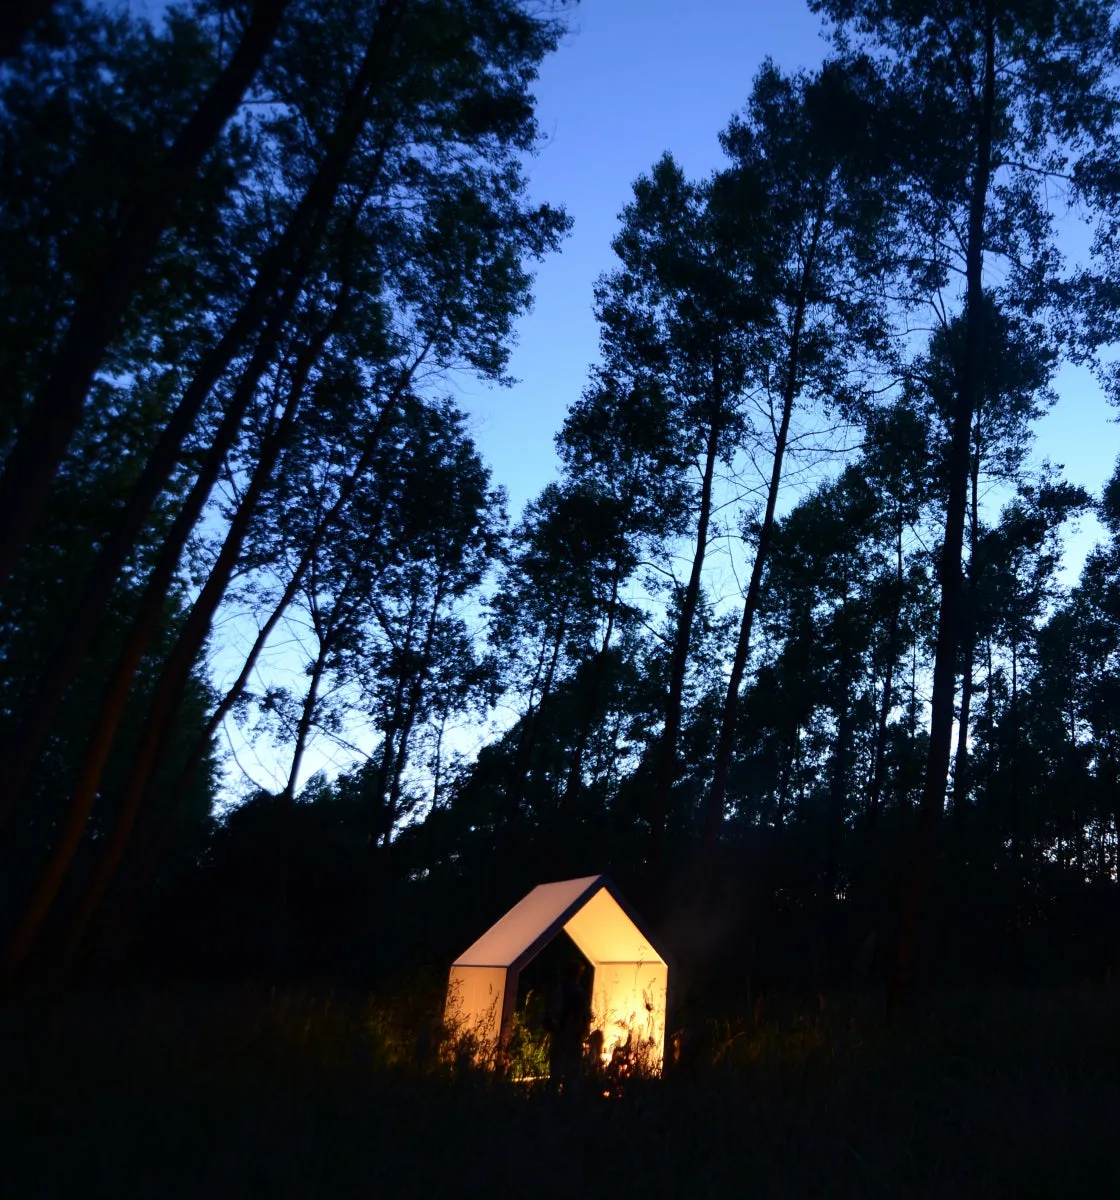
point(389, 753)
point(1116, 828)
point(529, 737)
point(960, 765)
point(725, 747)
point(122, 830)
point(393, 761)
point(874, 799)
point(786, 779)
point(314, 544)
point(383, 826)
point(281, 867)
point(513, 796)
point(415, 694)
point(285, 267)
point(1012, 723)
point(57, 410)
point(573, 785)
point(667, 752)
point(987, 821)
point(838, 782)
point(905, 796)
point(917, 905)
point(838, 791)
point(168, 691)
point(307, 716)
point(437, 762)
point(591, 705)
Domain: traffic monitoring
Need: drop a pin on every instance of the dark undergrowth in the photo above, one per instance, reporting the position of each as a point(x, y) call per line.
point(224, 1092)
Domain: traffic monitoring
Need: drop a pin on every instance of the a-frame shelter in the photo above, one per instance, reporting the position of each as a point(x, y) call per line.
point(629, 990)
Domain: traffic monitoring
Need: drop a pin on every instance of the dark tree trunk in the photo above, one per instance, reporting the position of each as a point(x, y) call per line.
point(513, 795)
point(393, 745)
point(57, 411)
point(918, 901)
point(666, 773)
point(173, 680)
point(874, 799)
point(838, 792)
point(838, 781)
point(280, 869)
point(315, 542)
point(383, 818)
point(605, 760)
point(1015, 793)
point(523, 761)
point(414, 696)
point(786, 778)
point(725, 747)
point(307, 710)
point(968, 665)
point(591, 703)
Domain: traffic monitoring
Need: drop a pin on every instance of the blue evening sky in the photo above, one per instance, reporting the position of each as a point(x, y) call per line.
point(635, 78)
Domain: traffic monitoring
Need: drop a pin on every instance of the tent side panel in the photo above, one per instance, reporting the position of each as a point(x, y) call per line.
point(475, 999)
point(629, 1000)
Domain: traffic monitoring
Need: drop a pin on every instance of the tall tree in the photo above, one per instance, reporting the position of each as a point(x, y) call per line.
point(679, 308)
point(807, 146)
point(994, 101)
point(1013, 392)
point(618, 447)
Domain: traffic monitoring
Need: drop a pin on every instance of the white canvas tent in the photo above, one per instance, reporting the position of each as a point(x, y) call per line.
point(629, 988)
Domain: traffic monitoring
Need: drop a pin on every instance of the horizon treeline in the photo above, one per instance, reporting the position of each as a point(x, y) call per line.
point(785, 645)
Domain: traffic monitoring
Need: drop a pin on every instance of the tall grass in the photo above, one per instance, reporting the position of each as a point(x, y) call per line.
point(224, 1092)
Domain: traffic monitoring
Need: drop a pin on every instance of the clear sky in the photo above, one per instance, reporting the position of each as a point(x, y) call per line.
point(635, 78)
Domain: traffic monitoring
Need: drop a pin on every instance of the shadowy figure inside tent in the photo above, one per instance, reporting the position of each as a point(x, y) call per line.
point(569, 1022)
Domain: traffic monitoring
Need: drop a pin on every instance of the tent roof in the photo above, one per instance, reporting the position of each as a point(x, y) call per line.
point(594, 915)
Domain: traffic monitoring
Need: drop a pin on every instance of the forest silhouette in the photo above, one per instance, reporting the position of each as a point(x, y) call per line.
point(785, 648)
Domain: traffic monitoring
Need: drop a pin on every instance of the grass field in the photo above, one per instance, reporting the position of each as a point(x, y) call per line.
point(225, 1092)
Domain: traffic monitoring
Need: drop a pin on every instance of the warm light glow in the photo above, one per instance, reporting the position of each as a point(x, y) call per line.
point(629, 984)
point(628, 1003)
point(474, 1005)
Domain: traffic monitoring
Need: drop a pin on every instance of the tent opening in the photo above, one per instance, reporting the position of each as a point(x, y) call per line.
point(543, 975)
point(539, 987)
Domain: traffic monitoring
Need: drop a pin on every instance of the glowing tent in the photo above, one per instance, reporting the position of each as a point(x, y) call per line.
point(631, 974)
